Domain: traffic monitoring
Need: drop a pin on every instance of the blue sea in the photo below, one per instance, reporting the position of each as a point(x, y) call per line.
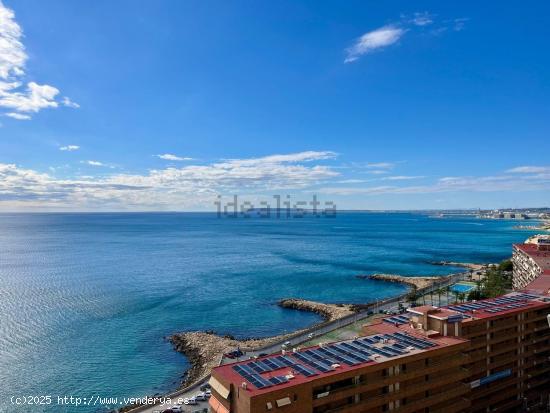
point(86, 300)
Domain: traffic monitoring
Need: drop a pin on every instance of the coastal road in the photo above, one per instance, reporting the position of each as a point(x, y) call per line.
point(390, 304)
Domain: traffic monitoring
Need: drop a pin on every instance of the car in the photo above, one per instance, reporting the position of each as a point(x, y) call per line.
point(177, 409)
point(310, 335)
point(189, 400)
point(167, 411)
point(201, 397)
point(205, 387)
point(263, 354)
point(208, 393)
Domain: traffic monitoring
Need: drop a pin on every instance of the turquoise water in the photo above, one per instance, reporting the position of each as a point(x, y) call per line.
point(86, 299)
point(462, 288)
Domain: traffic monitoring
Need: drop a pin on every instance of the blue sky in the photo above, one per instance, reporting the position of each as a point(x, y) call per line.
point(162, 105)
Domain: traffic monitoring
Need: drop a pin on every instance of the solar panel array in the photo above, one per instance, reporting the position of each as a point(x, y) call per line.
point(398, 319)
point(312, 362)
point(497, 305)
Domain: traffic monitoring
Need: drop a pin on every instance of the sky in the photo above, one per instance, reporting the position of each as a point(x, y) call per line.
point(165, 105)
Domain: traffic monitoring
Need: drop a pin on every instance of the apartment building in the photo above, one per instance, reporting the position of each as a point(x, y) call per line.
point(487, 356)
point(532, 264)
point(509, 352)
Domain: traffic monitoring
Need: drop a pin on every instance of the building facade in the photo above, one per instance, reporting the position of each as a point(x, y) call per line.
point(531, 261)
point(487, 356)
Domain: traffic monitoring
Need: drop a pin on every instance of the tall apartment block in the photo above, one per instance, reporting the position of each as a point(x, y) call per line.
point(532, 265)
point(485, 356)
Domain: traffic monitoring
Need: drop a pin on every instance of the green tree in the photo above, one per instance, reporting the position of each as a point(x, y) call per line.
point(412, 296)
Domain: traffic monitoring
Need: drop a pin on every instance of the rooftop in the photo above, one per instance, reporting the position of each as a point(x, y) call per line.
point(294, 367)
point(542, 258)
point(488, 308)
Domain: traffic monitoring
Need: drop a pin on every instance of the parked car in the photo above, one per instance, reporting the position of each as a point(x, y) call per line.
point(234, 354)
point(205, 387)
point(208, 393)
point(201, 397)
point(177, 409)
point(189, 400)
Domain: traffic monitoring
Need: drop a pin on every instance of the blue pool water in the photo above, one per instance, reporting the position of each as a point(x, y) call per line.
point(87, 299)
point(462, 288)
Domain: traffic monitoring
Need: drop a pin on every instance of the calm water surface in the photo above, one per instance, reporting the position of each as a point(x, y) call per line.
point(86, 299)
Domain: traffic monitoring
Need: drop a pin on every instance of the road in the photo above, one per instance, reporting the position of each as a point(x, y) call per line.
point(390, 304)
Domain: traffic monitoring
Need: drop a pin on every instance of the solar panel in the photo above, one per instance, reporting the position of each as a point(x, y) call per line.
point(357, 348)
point(312, 362)
point(304, 370)
point(278, 379)
point(350, 353)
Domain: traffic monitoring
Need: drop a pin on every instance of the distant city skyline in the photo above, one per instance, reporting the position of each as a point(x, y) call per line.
point(105, 106)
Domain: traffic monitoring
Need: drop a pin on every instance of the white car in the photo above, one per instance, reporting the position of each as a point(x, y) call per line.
point(208, 392)
point(189, 400)
point(177, 409)
point(201, 396)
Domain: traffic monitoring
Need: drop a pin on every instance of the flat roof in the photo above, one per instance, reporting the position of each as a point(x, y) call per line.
point(540, 285)
point(487, 308)
point(542, 258)
point(279, 371)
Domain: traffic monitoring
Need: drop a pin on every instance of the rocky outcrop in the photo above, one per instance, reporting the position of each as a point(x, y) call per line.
point(469, 265)
point(418, 282)
point(328, 311)
point(204, 349)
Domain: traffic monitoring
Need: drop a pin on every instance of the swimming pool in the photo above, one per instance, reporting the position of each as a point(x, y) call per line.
point(462, 288)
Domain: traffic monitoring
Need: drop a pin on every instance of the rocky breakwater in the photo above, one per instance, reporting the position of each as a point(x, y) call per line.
point(418, 282)
point(329, 312)
point(205, 349)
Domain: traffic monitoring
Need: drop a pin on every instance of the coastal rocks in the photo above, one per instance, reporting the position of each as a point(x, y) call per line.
point(469, 265)
point(205, 349)
point(418, 282)
point(329, 312)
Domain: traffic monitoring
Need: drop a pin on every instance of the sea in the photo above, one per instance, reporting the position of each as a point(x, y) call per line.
point(88, 299)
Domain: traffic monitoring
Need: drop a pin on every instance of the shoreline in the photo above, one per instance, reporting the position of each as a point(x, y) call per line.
point(204, 349)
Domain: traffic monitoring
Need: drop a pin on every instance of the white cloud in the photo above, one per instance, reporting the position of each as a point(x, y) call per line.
point(171, 157)
point(402, 177)
point(374, 40)
point(69, 148)
point(94, 163)
point(170, 188)
point(529, 169)
point(422, 19)
point(14, 95)
point(69, 103)
point(12, 51)
point(498, 183)
point(18, 116)
point(460, 23)
point(351, 181)
point(381, 165)
point(33, 99)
